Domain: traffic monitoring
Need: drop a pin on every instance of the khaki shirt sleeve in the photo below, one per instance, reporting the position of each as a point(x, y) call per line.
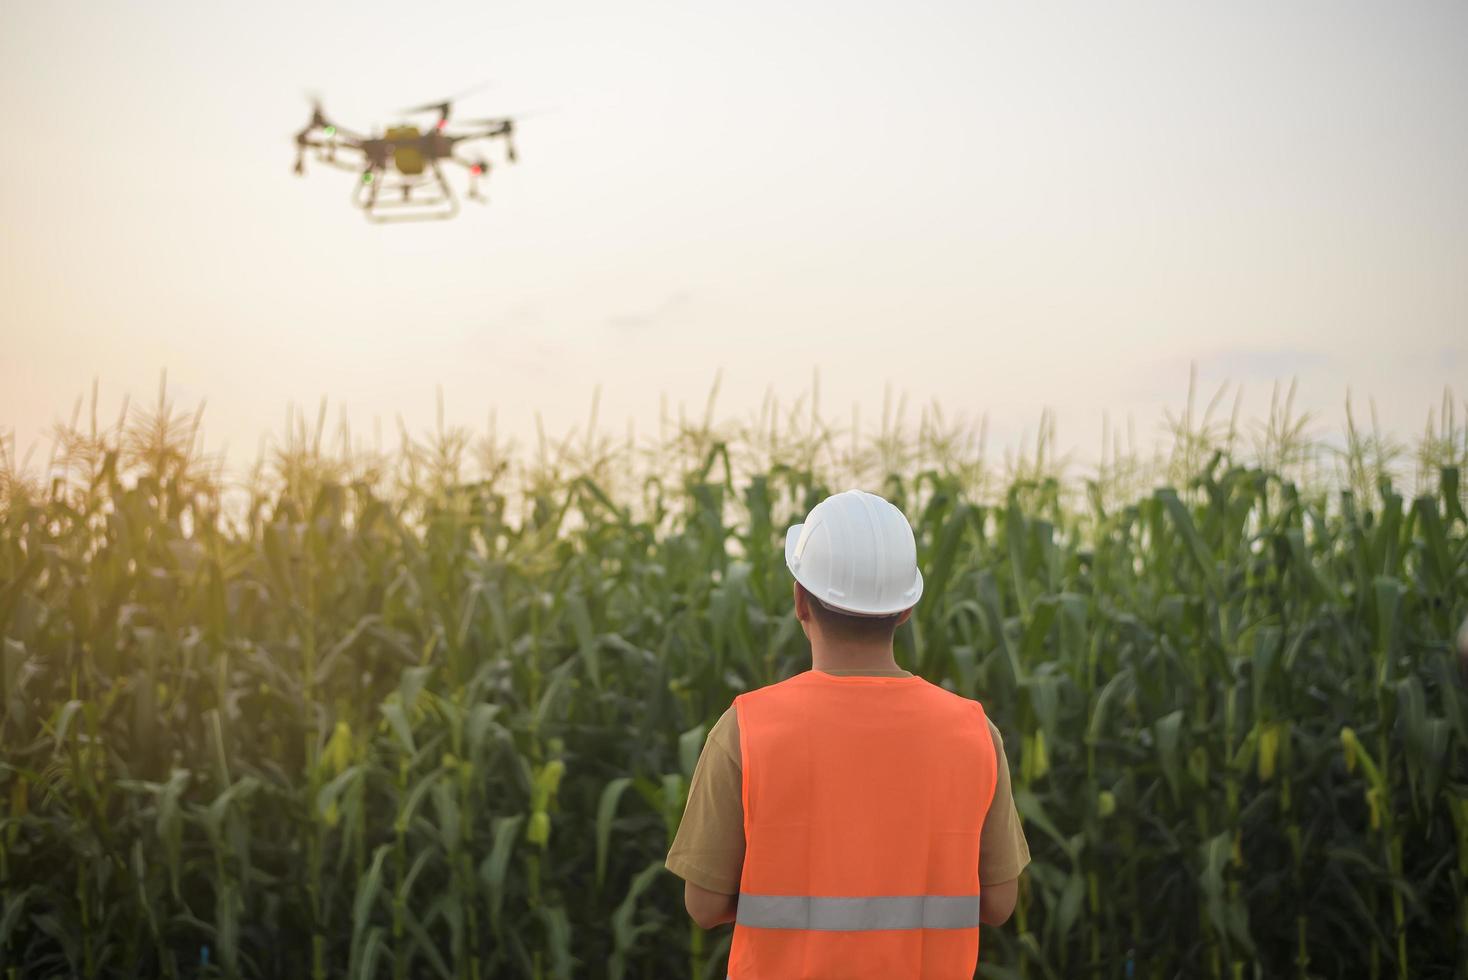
point(708, 849)
point(1003, 850)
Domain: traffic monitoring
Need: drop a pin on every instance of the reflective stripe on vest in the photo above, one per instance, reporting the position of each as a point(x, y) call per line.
point(852, 914)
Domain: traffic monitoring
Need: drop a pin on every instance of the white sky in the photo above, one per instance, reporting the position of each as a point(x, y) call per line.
point(997, 207)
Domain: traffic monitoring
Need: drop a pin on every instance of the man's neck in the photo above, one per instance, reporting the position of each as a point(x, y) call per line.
point(852, 658)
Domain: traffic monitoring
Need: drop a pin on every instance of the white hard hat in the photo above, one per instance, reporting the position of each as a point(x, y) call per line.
point(856, 554)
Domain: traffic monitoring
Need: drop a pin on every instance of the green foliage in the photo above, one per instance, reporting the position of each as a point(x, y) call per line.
point(383, 723)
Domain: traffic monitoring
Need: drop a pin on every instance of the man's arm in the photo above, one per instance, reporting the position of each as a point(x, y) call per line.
point(1004, 851)
point(710, 909)
point(996, 902)
point(709, 845)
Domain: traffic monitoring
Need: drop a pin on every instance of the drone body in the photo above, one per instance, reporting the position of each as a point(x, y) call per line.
point(400, 177)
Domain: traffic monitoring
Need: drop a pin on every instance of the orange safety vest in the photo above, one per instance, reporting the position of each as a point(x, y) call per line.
point(864, 798)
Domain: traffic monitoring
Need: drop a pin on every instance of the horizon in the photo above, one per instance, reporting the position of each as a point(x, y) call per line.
point(1287, 440)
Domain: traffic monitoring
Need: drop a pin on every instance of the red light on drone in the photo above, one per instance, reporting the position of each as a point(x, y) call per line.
point(441, 124)
point(476, 170)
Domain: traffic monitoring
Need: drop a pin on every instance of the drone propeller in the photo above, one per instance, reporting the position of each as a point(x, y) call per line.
point(442, 108)
point(512, 117)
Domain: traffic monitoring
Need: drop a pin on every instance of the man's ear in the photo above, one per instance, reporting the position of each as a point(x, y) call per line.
point(906, 615)
point(802, 604)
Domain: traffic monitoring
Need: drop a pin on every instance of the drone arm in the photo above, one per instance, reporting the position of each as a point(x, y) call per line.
point(483, 129)
point(502, 128)
point(344, 136)
point(305, 141)
point(349, 143)
point(319, 124)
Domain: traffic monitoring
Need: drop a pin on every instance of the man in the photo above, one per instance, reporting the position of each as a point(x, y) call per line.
point(838, 818)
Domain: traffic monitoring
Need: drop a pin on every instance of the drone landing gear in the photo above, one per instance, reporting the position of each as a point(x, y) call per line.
point(385, 201)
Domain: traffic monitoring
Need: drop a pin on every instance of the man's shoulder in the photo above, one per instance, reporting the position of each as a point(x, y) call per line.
point(953, 699)
point(724, 736)
point(728, 721)
point(773, 689)
point(965, 707)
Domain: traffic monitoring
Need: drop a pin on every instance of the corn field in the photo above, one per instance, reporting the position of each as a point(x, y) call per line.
point(392, 720)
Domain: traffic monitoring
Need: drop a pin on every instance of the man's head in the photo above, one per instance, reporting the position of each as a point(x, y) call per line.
point(855, 565)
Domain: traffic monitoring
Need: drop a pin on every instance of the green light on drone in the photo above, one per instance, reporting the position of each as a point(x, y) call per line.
point(366, 178)
point(330, 130)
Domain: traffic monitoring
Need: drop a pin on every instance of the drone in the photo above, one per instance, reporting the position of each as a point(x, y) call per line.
point(400, 173)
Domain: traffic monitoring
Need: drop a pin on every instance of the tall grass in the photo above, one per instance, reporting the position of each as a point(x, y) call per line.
point(434, 712)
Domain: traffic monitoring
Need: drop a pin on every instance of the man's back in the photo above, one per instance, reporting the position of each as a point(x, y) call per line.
point(864, 802)
point(709, 847)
